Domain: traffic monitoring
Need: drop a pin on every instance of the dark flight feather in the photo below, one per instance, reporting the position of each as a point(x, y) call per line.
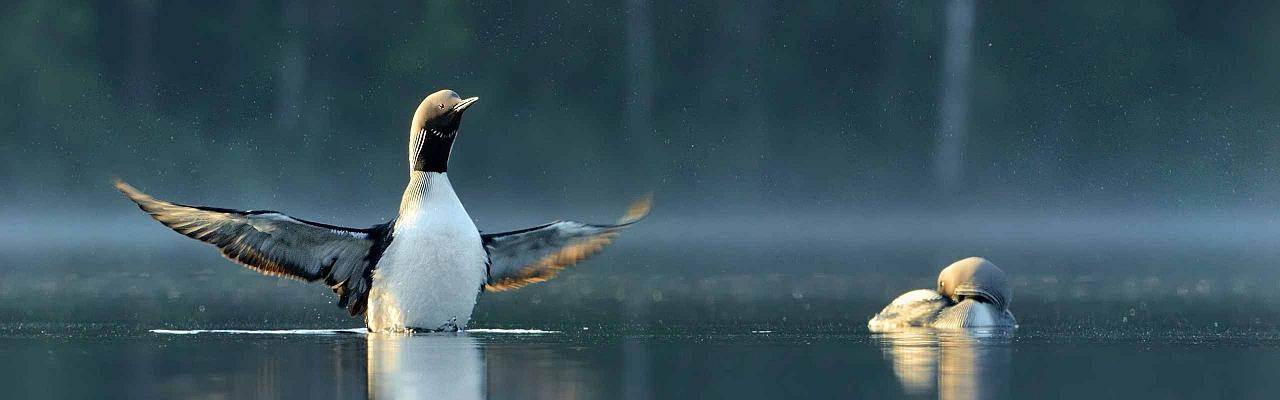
point(522, 257)
point(279, 245)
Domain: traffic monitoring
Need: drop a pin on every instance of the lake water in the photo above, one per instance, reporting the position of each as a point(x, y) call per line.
point(103, 361)
point(650, 319)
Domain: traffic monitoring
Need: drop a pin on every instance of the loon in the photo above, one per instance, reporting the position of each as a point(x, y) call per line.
point(420, 272)
point(972, 293)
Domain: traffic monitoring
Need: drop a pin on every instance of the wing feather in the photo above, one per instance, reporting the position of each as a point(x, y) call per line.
point(537, 254)
point(279, 245)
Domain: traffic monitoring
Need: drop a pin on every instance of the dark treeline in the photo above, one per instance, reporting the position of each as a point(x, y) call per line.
point(807, 104)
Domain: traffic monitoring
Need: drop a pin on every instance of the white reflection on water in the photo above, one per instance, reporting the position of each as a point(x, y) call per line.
point(964, 364)
point(445, 366)
point(357, 331)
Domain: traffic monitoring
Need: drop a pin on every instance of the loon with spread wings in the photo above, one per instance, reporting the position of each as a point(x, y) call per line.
point(421, 271)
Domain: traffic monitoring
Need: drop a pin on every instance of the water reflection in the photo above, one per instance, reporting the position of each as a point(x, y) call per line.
point(425, 367)
point(965, 364)
point(461, 366)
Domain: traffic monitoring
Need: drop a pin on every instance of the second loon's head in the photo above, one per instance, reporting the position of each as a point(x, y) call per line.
point(434, 127)
point(975, 278)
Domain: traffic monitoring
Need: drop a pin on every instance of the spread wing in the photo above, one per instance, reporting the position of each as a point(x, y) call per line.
point(279, 245)
point(537, 254)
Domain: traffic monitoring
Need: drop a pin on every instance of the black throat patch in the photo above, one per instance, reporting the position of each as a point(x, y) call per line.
point(432, 150)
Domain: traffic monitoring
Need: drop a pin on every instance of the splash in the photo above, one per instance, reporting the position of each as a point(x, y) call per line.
point(359, 331)
point(512, 331)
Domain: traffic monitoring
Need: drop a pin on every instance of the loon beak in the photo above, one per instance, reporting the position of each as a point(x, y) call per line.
point(462, 106)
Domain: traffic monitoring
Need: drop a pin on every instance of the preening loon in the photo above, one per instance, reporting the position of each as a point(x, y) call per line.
point(972, 293)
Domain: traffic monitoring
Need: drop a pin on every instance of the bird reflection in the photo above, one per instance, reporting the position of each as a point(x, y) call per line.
point(445, 366)
point(460, 366)
point(961, 364)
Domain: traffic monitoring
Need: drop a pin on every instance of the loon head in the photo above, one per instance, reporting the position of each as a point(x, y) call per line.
point(975, 278)
point(434, 127)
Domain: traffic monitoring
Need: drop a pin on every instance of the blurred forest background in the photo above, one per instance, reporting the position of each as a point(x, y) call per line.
point(798, 124)
point(801, 104)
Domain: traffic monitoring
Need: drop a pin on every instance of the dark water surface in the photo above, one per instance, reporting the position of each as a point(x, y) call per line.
point(104, 361)
point(651, 319)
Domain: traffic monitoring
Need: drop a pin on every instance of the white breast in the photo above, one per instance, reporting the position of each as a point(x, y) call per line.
point(430, 275)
